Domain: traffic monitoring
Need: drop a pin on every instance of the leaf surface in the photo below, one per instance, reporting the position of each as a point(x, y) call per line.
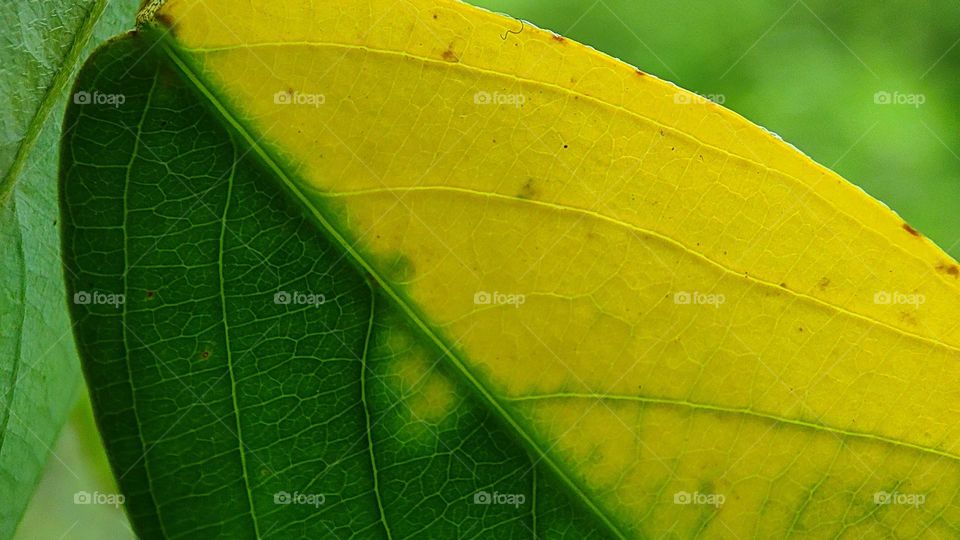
point(658, 300)
point(42, 45)
point(227, 412)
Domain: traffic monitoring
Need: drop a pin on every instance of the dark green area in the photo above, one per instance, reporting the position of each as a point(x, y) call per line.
point(215, 390)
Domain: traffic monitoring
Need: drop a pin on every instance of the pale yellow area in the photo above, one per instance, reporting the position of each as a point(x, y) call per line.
point(600, 199)
point(428, 395)
point(775, 481)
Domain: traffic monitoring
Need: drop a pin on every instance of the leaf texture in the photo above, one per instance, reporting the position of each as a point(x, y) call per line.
point(691, 327)
point(214, 400)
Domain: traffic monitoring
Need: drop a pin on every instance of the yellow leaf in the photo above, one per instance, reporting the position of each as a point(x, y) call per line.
point(698, 328)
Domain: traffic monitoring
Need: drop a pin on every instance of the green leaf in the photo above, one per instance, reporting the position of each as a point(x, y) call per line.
point(691, 327)
point(215, 398)
point(42, 46)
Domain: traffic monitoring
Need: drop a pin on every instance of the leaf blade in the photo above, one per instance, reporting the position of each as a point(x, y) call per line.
point(746, 263)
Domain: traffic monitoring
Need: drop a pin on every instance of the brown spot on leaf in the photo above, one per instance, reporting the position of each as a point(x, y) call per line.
point(165, 20)
point(151, 294)
point(641, 74)
point(949, 269)
point(528, 191)
point(911, 230)
point(449, 56)
point(558, 38)
point(823, 283)
point(908, 318)
point(204, 355)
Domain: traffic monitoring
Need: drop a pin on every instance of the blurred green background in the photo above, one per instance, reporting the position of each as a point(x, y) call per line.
point(807, 70)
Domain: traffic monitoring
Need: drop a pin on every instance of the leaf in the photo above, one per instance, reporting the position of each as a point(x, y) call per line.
point(692, 328)
point(42, 45)
point(217, 401)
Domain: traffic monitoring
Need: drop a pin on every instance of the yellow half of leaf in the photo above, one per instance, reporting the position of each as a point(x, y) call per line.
point(705, 311)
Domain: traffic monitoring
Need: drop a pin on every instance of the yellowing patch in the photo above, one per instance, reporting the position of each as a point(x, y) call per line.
point(428, 395)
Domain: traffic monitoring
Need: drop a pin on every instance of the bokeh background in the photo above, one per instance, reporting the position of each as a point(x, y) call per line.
point(808, 70)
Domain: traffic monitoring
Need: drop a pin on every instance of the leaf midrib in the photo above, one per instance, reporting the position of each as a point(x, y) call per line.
point(60, 82)
point(484, 393)
point(18, 347)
